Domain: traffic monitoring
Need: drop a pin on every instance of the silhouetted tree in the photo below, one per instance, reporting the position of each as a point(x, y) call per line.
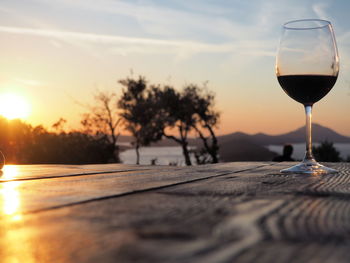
point(202, 156)
point(326, 152)
point(176, 111)
point(67, 148)
point(59, 125)
point(139, 113)
point(185, 111)
point(22, 143)
point(14, 139)
point(206, 119)
point(102, 122)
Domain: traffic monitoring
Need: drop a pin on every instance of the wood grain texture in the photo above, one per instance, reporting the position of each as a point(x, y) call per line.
point(33, 172)
point(222, 213)
point(65, 186)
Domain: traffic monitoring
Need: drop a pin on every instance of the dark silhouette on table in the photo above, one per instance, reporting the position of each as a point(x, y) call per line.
point(287, 153)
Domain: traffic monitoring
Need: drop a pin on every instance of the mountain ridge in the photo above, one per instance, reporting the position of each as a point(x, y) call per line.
point(240, 146)
point(319, 133)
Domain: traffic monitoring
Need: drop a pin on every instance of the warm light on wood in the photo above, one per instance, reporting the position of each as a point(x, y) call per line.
point(9, 195)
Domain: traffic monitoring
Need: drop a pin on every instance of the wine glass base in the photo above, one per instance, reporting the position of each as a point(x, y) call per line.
point(309, 167)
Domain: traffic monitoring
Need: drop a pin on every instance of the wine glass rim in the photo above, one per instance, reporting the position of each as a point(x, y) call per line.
point(288, 26)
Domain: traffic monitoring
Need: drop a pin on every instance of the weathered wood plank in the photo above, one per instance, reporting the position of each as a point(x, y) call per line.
point(338, 184)
point(60, 190)
point(258, 215)
point(32, 172)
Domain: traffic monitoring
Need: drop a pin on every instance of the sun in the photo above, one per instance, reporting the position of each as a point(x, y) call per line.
point(13, 106)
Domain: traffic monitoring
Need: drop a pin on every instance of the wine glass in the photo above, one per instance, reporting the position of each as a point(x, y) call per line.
point(307, 67)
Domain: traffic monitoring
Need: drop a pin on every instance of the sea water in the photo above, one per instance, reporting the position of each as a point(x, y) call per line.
point(173, 155)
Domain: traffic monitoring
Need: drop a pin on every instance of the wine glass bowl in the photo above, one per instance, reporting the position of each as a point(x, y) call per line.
point(307, 67)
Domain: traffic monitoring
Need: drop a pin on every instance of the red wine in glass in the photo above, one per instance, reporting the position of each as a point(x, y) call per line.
point(307, 89)
point(307, 67)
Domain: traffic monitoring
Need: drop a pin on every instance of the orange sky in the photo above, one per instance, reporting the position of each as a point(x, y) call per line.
point(54, 60)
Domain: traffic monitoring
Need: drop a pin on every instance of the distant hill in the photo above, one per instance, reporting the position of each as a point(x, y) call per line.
point(319, 134)
point(240, 146)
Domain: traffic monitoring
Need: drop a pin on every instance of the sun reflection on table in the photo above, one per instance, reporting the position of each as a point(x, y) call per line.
point(11, 201)
point(10, 171)
point(15, 240)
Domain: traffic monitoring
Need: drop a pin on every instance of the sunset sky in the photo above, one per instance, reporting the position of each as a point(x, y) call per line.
point(55, 53)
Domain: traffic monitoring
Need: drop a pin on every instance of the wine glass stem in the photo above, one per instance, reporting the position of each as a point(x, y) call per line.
point(308, 154)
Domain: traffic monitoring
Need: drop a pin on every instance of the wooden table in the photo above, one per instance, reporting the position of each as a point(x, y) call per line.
point(230, 212)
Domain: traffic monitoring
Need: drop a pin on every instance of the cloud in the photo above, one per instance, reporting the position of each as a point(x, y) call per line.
point(134, 44)
point(180, 29)
point(111, 39)
point(320, 10)
point(29, 82)
point(161, 19)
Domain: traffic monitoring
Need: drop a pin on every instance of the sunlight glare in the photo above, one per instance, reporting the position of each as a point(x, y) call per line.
point(13, 106)
point(11, 198)
point(10, 171)
point(9, 193)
